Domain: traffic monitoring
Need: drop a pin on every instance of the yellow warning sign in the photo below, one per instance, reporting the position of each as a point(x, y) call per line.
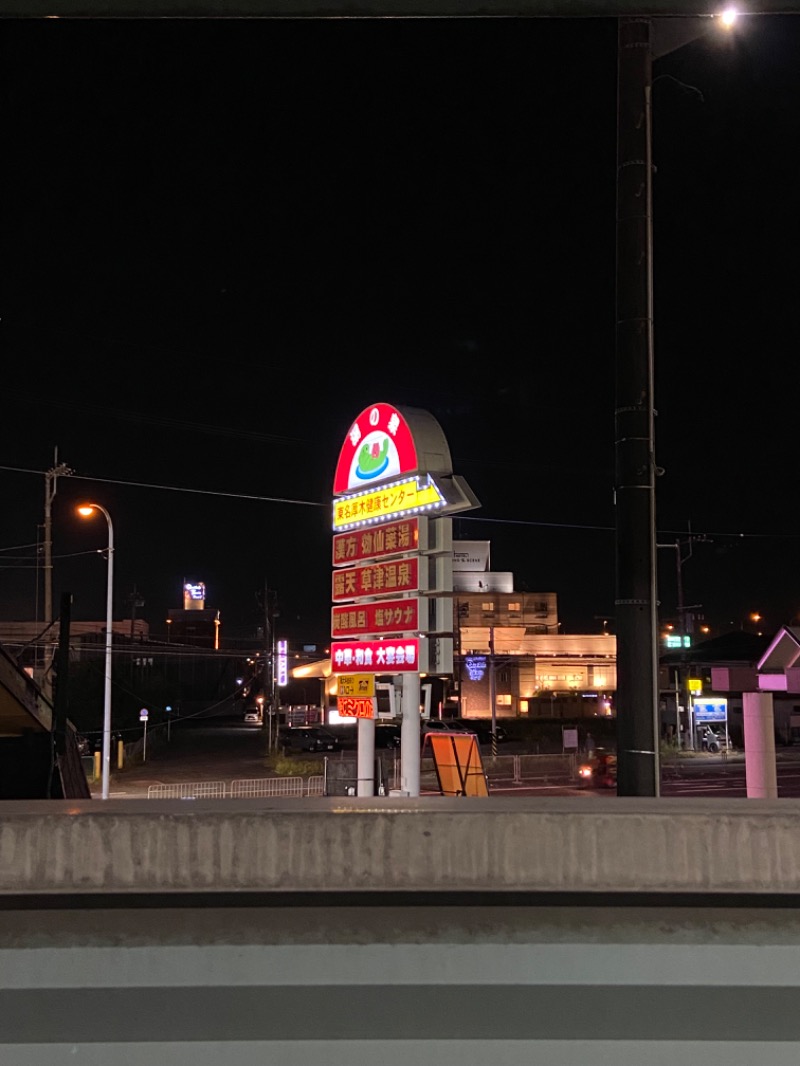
point(357, 685)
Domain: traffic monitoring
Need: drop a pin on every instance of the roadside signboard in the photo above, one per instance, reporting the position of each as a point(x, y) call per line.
point(569, 739)
point(390, 501)
point(378, 579)
point(399, 655)
point(375, 542)
point(366, 619)
point(357, 685)
point(712, 709)
point(356, 706)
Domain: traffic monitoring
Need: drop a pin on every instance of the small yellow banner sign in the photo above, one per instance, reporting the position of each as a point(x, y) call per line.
point(357, 685)
point(391, 501)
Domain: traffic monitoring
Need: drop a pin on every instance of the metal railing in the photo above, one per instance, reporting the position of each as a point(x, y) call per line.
point(515, 771)
point(510, 770)
point(272, 787)
point(267, 786)
point(184, 790)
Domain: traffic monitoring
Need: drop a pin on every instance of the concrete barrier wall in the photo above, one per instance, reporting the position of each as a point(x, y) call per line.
point(498, 846)
point(319, 932)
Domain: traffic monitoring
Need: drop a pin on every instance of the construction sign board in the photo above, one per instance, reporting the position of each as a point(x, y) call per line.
point(458, 764)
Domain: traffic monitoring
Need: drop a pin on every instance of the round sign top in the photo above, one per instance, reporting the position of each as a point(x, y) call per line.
point(385, 442)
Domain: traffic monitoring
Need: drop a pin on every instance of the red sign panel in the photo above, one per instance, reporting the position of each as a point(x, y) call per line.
point(385, 616)
point(355, 706)
point(378, 445)
point(392, 539)
point(392, 656)
point(380, 579)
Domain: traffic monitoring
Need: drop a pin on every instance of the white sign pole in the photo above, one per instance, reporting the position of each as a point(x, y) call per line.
point(143, 718)
point(366, 757)
point(410, 735)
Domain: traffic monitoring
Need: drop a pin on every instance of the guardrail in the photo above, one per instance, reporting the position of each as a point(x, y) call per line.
point(513, 769)
point(267, 786)
point(547, 769)
point(519, 770)
point(196, 790)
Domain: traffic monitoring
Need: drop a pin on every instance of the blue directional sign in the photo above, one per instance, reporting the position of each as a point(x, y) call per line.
point(711, 710)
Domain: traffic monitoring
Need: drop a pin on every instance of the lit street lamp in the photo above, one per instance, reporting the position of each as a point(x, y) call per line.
point(87, 510)
point(638, 772)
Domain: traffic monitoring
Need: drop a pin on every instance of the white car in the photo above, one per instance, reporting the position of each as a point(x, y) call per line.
point(252, 718)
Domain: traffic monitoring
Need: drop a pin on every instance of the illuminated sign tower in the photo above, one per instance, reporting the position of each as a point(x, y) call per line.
point(394, 492)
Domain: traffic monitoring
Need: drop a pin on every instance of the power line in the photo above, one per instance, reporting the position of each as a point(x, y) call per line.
point(736, 534)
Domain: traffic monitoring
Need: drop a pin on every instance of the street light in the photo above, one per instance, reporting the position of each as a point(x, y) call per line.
point(638, 771)
point(86, 511)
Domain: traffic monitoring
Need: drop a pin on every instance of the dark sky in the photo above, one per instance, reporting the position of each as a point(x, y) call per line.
point(222, 239)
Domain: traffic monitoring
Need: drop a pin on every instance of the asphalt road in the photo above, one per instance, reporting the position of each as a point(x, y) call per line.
point(725, 776)
point(218, 752)
point(232, 751)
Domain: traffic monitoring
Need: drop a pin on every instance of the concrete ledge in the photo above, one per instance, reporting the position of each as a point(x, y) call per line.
point(432, 845)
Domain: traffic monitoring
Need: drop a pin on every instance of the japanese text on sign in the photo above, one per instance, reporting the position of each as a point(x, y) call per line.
point(378, 579)
point(378, 656)
point(356, 706)
point(357, 685)
point(375, 541)
point(389, 502)
point(390, 616)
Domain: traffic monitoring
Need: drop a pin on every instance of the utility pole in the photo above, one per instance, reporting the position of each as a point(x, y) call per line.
point(685, 628)
point(638, 772)
point(134, 600)
point(268, 675)
point(461, 610)
point(51, 484)
point(640, 41)
point(493, 691)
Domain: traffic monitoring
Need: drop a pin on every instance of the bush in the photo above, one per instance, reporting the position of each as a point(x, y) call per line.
point(283, 766)
point(545, 734)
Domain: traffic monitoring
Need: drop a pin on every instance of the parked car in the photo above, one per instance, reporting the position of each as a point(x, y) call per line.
point(310, 738)
point(387, 735)
point(252, 718)
point(481, 727)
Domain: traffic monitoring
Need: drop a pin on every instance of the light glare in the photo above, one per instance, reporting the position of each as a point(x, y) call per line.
point(729, 16)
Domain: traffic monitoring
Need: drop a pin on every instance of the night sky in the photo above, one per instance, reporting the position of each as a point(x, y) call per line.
point(223, 239)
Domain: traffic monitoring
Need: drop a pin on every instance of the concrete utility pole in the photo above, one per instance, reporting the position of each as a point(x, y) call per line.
point(269, 710)
point(638, 772)
point(640, 41)
point(686, 620)
point(51, 485)
point(134, 600)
